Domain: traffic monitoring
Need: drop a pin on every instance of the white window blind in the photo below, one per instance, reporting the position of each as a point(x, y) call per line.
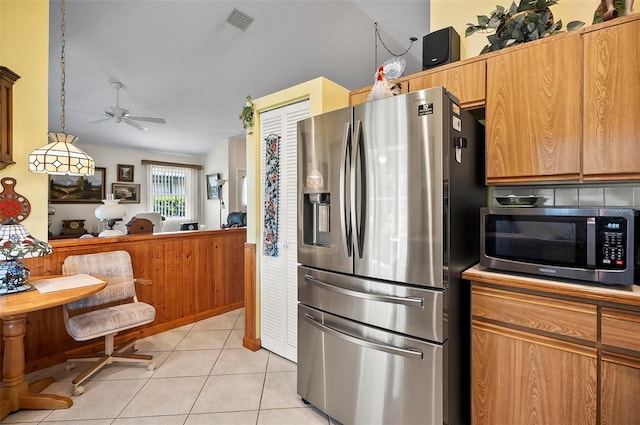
point(174, 192)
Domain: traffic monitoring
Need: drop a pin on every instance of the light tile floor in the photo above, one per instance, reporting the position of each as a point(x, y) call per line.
point(203, 376)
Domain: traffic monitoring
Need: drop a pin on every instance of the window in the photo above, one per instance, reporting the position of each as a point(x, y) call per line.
point(174, 192)
point(241, 182)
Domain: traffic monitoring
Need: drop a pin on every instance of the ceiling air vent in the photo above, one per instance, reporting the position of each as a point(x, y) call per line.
point(239, 19)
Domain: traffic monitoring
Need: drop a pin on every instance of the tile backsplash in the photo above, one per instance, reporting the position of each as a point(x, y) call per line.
point(585, 195)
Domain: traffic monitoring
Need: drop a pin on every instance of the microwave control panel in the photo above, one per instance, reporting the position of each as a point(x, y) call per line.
point(612, 242)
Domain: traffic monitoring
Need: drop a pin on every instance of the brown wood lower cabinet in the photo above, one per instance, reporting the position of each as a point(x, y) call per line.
point(518, 378)
point(552, 352)
point(194, 275)
point(620, 380)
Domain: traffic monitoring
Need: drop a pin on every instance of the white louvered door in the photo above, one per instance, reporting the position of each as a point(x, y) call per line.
point(278, 275)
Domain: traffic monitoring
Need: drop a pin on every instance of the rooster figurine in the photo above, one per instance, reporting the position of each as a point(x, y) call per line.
point(381, 88)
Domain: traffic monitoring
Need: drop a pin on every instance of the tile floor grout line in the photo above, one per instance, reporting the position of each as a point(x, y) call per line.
point(262, 415)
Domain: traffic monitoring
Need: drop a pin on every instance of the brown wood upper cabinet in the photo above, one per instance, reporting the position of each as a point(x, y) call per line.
point(533, 110)
point(566, 108)
point(611, 100)
point(465, 80)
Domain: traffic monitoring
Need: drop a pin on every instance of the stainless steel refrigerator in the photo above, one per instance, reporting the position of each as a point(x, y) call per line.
point(388, 215)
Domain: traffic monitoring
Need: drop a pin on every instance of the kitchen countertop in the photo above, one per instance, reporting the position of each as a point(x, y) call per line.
point(627, 295)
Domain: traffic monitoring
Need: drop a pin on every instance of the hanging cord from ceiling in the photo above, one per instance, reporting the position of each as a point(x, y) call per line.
point(378, 37)
point(63, 41)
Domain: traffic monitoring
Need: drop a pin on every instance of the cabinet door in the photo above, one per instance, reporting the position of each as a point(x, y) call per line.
point(612, 102)
point(533, 112)
point(359, 96)
point(620, 392)
point(519, 378)
point(466, 82)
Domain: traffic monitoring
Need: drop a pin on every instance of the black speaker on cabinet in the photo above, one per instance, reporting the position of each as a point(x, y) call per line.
point(440, 47)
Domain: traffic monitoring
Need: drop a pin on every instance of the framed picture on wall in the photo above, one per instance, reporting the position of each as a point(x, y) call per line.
point(213, 188)
point(127, 193)
point(125, 173)
point(74, 189)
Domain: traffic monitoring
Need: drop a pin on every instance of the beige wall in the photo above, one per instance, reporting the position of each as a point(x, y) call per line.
point(324, 96)
point(442, 15)
point(24, 48)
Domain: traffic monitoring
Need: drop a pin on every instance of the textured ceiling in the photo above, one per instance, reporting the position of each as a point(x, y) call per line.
point(181, 61)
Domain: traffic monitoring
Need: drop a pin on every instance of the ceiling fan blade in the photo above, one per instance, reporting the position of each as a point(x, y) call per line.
point(133, 123)
point(149, 119)
point(84, 112)
point(100, 120)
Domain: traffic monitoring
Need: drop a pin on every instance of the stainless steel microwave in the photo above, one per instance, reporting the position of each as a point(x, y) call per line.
point(592, 244)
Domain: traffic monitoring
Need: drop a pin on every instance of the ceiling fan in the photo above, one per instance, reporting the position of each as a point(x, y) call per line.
point(120, 114)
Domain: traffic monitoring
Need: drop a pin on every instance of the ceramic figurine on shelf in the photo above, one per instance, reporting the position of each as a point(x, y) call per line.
point(610, 9)
point(381, 88)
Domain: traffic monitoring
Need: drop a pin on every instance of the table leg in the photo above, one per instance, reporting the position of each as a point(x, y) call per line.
point(16, 393)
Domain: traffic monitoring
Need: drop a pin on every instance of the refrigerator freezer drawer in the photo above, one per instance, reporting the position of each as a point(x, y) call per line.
point(362, 375)
point(409, 310)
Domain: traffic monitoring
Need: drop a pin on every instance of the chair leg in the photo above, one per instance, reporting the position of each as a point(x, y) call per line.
point(126, 346)
point(104, 360)
point(111, 354)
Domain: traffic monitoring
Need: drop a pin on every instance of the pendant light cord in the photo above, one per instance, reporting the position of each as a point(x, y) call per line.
point(378, 37)
point(63, 41)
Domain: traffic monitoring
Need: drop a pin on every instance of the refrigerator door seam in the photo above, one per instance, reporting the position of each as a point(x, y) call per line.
point(404, 352)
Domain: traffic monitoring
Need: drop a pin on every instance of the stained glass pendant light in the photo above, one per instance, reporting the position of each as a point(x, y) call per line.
point(61, 156)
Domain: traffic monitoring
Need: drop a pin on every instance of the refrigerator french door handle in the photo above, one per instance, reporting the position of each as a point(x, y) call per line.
point(408, 301)
point(404, 352)
point(358, 188)
point(345, 213)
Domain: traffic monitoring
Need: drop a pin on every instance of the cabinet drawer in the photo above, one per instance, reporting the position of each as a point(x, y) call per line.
point(620, 328)
point(540, 313)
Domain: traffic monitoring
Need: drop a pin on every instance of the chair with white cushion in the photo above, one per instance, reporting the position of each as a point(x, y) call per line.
point(114, 267)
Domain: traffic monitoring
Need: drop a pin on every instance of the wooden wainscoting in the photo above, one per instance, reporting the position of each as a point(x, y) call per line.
point(194, 275)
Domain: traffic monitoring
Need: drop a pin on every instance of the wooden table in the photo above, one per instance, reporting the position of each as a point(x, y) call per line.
point(16, 393)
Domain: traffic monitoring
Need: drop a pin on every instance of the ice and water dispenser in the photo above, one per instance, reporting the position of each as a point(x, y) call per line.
point(317, 219)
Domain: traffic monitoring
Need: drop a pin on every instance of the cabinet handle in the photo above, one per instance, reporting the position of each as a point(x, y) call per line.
point(404, 352)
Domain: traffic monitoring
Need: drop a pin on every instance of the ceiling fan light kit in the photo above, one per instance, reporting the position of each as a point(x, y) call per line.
point(120, 114)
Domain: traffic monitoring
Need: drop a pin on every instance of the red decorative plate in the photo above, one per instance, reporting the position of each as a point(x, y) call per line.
point(12, 205)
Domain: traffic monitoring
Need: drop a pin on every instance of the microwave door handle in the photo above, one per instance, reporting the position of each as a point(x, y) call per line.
point(345, 208)
point(391, 349)
point(406, 301)
point(591, 241)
